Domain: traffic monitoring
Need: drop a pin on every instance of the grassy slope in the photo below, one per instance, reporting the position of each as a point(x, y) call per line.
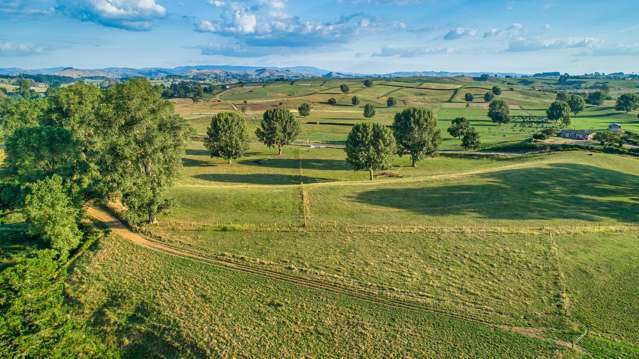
point(206, 311)
point(478, 245)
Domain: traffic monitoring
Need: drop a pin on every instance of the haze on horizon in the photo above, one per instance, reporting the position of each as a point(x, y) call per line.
point(364, 36)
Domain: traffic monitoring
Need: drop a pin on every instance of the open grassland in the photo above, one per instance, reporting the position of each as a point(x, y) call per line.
point(297, 255)
point(148, 303)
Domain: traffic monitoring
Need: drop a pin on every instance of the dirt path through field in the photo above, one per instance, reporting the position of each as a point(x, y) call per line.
point(121, 230)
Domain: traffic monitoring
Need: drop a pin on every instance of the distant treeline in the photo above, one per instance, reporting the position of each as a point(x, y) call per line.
point(187, 89)
point(50, 80)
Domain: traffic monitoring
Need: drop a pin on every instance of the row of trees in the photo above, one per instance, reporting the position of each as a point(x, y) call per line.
point(414, 133)
point(488, 96)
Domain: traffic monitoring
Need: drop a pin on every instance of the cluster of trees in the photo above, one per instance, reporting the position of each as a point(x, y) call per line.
point(627, 102)
point(371, 146)
point(187, 89)
point(227, 136)
point(80, 144)
point(83, 143)
point(460, 128)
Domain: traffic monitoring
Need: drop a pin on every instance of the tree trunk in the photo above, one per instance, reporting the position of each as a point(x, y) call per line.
point(152, 219)
point(414, 161)
point(371, 174)
point(230, 161)
point(279, 150)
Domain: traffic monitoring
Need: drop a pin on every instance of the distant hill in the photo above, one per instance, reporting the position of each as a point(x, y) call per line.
point(228, 72)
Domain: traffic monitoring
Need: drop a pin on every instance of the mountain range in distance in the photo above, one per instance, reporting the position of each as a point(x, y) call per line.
point(224, 72)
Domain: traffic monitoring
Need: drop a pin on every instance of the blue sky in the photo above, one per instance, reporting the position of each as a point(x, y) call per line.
point(574, 36)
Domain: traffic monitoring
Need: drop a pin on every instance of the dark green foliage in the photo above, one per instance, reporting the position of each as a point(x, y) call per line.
point(304, 109)
point(576, 103)
point(144, 144)
point(627, 102)
point(489, 96)
point(470, 140)
point(34, 321)
point(496, 90)
point(416, 133)
point(24, 89)
point(186, 89)
point(458, 127)
point(559, 112)
point(278, 128)
point(19, 113)
point(469, 97)
point(369, 110)
point(370, 147)
point(609, 139)
point(332, 101)
point(51, 215)
point(596, 98)
point(11, 195)
point(544, 134)
point(391, 102)
point(499, 112)
point(368, 83)
point(227, 136)
point(562, 96)
point(344, 88)
point(34, 153)
point(355, 101)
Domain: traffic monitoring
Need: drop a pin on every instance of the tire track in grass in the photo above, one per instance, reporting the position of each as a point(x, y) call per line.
point(121, 230)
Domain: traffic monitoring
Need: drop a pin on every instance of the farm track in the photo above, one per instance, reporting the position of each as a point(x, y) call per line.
point(119, 229)
point(406, 180)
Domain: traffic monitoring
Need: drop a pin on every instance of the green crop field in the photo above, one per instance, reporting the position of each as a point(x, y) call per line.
point(489, 254)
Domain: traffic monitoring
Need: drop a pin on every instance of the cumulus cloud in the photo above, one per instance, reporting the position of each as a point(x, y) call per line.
point(537, 44)
point(19, 49)
point(137, 15)
point(459, 33)
point(266, 23)
point(510, 31)
point(412, 51)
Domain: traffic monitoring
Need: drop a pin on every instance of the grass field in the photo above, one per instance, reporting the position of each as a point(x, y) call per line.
point(464, 256)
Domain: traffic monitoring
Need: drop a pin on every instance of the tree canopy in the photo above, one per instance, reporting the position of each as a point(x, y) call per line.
point(458, 127)
point(469, 97)
point(368, 83)
point(499, 112)
point(627, 102)
point(370, 147)
point(355, 100)
point(559, 111)
point(227, 136)
point(416, 133)
point(489, 96)
point(278, 128)
point(391, 102)
point(344, 88)
point(304, 109)
point(576, 103)
point(496, 90)
point(470, 139)
point(596, 98)
point(369, 110)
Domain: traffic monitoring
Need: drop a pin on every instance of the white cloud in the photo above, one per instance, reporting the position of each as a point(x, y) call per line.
point(124, 14)
point(537, 44)
point(514, 29)
point(19, 49)
point(460, 32)
point(412, 51)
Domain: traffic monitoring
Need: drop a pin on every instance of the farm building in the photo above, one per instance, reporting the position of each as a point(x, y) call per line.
point(614, 127)
point(577, 134)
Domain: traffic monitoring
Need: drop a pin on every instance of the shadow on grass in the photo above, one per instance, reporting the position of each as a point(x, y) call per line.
point(198, 152)
point(148, 333)
point(562, 191)
point(307, 164)
point(189, 162)
point(259, 178)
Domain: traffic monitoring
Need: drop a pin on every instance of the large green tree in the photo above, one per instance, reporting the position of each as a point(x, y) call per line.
point(559, 111)
point(369, 110)
point(627, 102)
point(596, 98)
point(391, 102)
point(458, 127)
point(469, 97)
point(576, 103)
point(470, 139)
point(344, 88)
point(19, 113)
point(278, 128)
point(499, 112)
point(355, 101)
point(51, 215)
point(34, 153)
point(144, 145)
point(416, 133)
point(370, 147)
point(227, 136)
point(304, 109)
